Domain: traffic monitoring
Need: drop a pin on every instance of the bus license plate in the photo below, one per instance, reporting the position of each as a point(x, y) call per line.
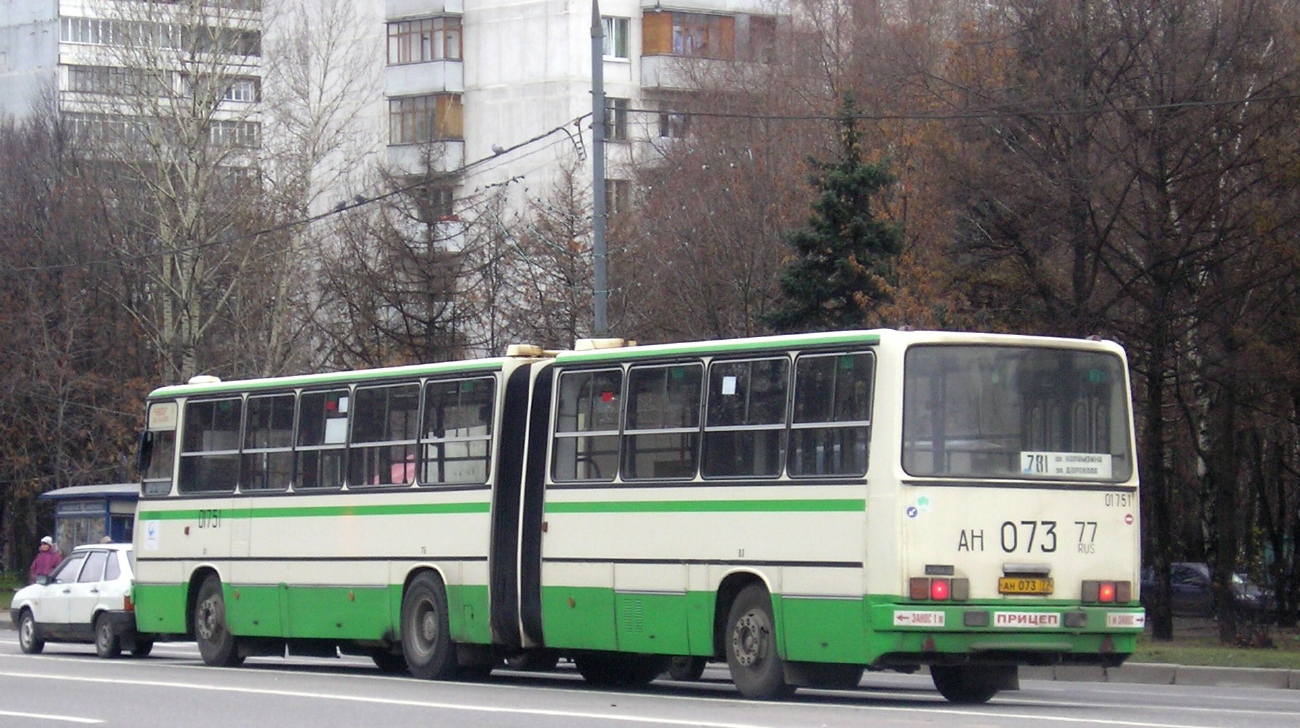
point(1021, 585)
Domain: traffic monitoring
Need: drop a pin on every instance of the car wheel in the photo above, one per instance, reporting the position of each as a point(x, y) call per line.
point(216, 643)
point(107, 642)
point(27, 639)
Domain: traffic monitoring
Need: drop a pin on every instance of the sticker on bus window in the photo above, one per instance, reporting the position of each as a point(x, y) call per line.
point(1066, 464)
point(728, 385)
point(336, 430)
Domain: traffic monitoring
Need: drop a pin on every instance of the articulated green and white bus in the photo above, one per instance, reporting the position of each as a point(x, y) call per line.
point(801, 507)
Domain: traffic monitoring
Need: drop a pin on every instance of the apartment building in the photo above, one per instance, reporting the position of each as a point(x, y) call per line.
point(467, 79)
point(109, 65)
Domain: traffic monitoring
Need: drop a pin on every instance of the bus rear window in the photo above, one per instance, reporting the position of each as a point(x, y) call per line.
point(1015, 412)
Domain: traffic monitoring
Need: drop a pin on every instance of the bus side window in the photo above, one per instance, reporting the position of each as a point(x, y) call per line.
point(457, 432)
point(210, 446)
point(662, 436)
point(744, 427)
point(322, 437)
point(267, 459)
point(587, 425)
point(384, 431)
point(832, 415)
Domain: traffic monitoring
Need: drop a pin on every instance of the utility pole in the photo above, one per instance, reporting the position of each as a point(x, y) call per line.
point(600, 289)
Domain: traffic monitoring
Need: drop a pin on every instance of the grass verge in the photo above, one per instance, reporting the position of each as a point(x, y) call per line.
point(1196, 642)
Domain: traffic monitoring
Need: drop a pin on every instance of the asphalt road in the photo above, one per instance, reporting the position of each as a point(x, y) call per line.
point(68, 685)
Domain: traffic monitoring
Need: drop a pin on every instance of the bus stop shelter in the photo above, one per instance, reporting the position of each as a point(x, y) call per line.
point(88, 513)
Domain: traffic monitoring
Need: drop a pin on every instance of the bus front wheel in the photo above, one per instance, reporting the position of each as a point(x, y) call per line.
point(971, 684)
point(756, 668)
point(216, 644)
point(426, 640)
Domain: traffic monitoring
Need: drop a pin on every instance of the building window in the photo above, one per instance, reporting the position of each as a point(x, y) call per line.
point(117, 81)
point(762, 39)
point(88, 31)
point(425, 118)
point(616, 36)
point(235, 134)
point(618, 197)
point(673, 125)
point(694, 35)
point(616, 119)
point(243, 89)
point(427, 39)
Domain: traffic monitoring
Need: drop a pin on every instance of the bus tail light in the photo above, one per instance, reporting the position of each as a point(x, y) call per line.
point(1106, 592)
point(127, 603)
point(922, 589)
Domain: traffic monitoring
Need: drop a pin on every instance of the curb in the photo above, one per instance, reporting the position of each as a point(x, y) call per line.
point(1151, 673)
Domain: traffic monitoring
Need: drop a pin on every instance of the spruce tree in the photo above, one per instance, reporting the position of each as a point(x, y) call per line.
point(844, 259)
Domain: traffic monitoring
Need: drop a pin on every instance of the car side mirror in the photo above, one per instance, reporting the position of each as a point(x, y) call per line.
point(42, 579)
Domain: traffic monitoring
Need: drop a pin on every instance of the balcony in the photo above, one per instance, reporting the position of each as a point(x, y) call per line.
point(400, 9)
point(420, 159)
point(431, 77)
point(677, 73)
point(726, 7)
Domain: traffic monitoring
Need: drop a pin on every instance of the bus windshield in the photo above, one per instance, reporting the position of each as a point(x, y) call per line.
point(1022, 412)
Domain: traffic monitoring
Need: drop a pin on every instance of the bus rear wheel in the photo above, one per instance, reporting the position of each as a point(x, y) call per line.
point(971, 684)
point(756, 668)
point(426, 639)
point(216, 643)
point(687, 668)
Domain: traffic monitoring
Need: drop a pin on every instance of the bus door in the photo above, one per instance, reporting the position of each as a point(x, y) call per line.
point(517, 511)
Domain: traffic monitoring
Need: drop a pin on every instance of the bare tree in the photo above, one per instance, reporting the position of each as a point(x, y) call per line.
point(170, 115)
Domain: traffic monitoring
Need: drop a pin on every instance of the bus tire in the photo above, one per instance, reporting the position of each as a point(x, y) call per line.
point(217, 645)
point(143, 646)
point(426, 639)
point(387, 661)
point(970, 684)
point(534, 661)
point(28, 640)
point(108, 644)
point(613, 670)
point(756, 668)
point(687, 668)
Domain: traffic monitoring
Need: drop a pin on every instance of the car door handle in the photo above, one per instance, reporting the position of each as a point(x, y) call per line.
point(67, 591)
point(94, 591)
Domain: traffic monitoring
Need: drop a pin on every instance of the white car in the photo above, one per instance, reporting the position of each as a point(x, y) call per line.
point(87, 599)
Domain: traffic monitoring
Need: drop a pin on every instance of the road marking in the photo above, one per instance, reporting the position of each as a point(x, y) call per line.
point(48, 716)
point(389, 701)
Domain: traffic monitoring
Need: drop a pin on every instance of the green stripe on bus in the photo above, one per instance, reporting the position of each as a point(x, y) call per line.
point(710, 348)
point(842, 505)
point(320, 511)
